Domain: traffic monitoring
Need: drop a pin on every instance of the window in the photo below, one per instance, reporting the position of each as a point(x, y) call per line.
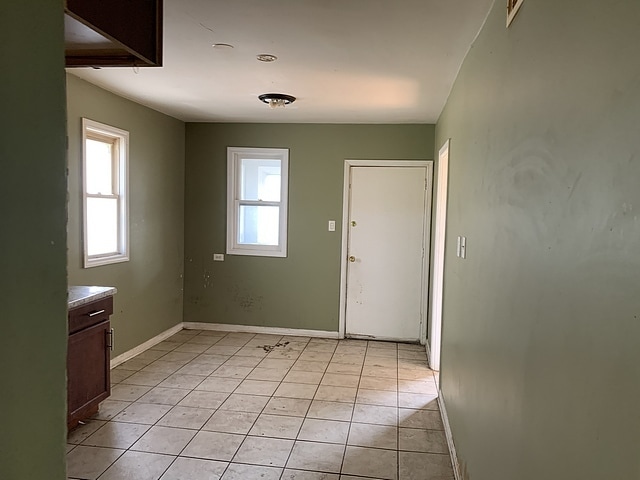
point(105, 202)
point(257, 201)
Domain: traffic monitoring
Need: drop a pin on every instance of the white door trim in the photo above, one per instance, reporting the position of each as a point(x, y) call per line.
point(435, 334)
point(345, 235)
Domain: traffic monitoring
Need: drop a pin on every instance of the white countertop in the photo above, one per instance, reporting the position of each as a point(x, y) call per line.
point(80, 295)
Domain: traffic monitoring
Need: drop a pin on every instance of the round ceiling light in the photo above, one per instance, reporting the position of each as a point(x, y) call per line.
point(275, 100)
point(266, 57)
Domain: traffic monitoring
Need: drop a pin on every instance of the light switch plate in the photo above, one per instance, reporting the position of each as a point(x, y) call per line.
point(218, 257)
point(332, 225)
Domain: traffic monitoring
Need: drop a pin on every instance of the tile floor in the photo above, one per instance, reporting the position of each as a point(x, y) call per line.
point(215, 405)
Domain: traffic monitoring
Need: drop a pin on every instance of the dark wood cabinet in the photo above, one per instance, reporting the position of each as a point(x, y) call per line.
point(88, 359)
point(113, 33)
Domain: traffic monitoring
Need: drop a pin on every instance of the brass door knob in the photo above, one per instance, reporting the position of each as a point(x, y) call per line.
point(352, 259)
point(353, 223)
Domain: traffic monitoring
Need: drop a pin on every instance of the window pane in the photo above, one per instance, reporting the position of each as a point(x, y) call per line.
point(260, 180)
point(258, 225)
point(99, 167)
point(102, 226)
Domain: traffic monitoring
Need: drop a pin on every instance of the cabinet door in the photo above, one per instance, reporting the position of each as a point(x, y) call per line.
point(88, 379)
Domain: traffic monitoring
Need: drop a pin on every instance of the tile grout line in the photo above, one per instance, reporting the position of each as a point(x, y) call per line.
point(207, 420)
point(154, 424)
point(346, 440)
point(231, 393)
point(265, 406)
point(172, 406)
point(271, 396)
point(308, 408)
point(127, 449)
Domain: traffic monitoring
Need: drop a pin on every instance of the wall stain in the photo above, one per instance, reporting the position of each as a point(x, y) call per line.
point(245, 300)
point(572, 188)
point(208, 279)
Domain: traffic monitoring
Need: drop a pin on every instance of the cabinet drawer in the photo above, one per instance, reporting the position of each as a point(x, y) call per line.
point(90, 314)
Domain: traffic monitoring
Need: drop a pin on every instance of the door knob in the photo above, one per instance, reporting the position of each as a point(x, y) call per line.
point(352, 259)
point(353, 223)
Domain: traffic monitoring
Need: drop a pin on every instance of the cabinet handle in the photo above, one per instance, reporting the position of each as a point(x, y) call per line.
point(98, 312)
point(111, 337)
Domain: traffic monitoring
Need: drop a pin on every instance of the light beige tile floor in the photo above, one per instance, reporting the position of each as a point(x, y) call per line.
point(209, 405)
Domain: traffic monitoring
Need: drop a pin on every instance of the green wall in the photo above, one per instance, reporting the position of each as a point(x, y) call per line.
point(302, 290)
point(33, 286)
point(540, 356)
point(149, 298)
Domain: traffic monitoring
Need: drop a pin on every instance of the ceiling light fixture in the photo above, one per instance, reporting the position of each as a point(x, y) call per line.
point(275, 100)
point(266, 57)
point(222, 46)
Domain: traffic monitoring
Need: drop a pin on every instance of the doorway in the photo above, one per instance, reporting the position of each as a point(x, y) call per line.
point(385, 270)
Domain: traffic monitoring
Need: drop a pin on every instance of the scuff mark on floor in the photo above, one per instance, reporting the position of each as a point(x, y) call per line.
point(270, 348)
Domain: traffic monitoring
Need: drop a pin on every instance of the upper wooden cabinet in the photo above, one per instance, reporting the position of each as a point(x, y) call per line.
point(113, 33)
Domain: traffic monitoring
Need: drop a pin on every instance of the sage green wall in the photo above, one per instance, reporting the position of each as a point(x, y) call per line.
point(302, 290)
point(33, 285)
point(149, 298)
point(540, 356)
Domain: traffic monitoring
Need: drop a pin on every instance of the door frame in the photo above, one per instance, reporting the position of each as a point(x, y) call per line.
point(440, 230)
point(426, 236)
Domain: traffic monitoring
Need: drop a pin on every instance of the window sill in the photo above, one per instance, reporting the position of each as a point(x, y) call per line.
point(257, 252)
point(106, 260)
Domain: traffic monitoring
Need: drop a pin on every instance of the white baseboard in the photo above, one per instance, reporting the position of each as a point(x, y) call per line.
point(449, 435)
point(223, 327)
point(428, 349)
point(123, 357)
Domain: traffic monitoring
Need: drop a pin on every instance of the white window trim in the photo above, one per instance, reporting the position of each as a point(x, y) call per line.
point(88, 127)
point(234, 155)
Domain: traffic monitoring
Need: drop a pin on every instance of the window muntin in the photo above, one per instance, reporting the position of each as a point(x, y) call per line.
point(105, 202)
point(257, 201)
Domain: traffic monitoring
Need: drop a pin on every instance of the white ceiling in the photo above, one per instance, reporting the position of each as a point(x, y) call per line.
point(347, 61)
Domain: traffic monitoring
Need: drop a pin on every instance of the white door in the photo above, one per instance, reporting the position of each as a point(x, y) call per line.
point(385, 252)
point(435, 334)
